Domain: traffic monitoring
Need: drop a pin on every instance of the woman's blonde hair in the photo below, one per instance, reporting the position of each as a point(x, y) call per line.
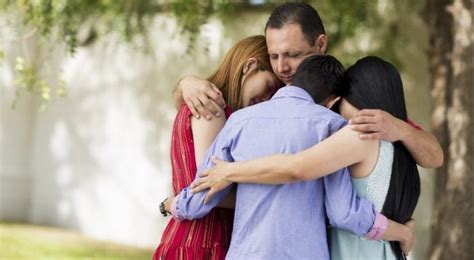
point(228, 77)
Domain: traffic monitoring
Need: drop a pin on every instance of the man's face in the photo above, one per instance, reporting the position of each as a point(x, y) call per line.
point(287, 48)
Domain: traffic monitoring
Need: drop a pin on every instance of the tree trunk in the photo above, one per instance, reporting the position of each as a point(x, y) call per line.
point(452, 69)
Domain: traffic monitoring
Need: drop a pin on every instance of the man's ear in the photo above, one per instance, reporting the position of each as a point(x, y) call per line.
point(322, 43)
point(250, 65)
point(331, 101)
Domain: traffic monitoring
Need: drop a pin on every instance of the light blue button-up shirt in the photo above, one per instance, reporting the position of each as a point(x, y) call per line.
point(282, 221)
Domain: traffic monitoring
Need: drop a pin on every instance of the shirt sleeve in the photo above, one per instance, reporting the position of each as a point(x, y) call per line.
point(415, 125)
point(191, 206)
point(344, 209)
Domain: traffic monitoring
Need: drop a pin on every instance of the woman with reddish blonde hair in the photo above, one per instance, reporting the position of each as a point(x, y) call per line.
point(245, 77)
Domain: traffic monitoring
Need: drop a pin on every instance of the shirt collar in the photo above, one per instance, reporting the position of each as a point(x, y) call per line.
point(292, 91)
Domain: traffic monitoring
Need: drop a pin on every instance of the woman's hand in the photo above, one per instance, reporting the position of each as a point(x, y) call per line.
point(213, 179)
point(407, 245)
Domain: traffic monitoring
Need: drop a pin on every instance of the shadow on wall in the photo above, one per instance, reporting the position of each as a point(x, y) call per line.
point(98, 159)
point(107, 165)
point(90, 171)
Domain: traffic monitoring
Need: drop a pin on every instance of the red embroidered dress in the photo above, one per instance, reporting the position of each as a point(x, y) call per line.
point(205, 238)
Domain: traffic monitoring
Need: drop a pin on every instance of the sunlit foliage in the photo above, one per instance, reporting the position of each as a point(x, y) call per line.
point(74, 23)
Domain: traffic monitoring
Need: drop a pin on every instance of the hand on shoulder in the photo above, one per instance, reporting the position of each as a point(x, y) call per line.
point(377, 124)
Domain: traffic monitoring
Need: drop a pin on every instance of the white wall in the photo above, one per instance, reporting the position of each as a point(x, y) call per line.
point(15, 156)
point(15, 134)
point(97, 160)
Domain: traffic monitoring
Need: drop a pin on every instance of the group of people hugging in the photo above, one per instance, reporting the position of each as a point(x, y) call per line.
point(282, 153)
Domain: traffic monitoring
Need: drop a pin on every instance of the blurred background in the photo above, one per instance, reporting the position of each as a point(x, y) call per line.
point(86, 111)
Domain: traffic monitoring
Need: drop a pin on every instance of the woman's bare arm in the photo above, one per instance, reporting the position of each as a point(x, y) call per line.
point(204, 133)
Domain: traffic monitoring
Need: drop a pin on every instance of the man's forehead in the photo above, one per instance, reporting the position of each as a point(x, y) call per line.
point(286, 39)
point(287, 46)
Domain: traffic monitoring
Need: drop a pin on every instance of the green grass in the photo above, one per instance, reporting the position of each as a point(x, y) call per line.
point(22, 241)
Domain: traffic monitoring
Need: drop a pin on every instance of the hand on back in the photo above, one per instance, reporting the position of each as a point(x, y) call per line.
point(213, 179)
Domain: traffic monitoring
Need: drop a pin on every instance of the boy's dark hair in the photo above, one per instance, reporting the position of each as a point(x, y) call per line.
point(297, 13)
point(321, 76)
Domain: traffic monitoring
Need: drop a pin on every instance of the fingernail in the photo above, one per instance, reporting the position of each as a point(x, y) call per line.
point(197, 117)
point(218, 114)
point(350, 121)
point(208, 117)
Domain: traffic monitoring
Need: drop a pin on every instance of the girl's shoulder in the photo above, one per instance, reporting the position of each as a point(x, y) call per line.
point(186, 112)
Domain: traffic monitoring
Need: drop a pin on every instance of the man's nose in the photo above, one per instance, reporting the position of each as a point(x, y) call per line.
point(282, 65)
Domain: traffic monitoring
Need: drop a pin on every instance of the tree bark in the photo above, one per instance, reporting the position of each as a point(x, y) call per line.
point(452, 69)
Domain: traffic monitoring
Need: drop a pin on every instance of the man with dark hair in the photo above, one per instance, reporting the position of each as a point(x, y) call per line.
point(298, 13)
point(293, 32)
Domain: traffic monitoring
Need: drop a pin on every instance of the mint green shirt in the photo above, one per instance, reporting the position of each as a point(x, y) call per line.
point(374, 187)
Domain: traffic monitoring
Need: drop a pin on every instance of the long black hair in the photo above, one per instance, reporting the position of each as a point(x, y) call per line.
point(376, 84)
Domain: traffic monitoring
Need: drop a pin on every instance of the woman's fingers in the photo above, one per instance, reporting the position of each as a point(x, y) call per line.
point(216, 95)
point(201, 109)
point(191, 106)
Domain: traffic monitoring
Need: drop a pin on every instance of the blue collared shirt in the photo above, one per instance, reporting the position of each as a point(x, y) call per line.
point(282, 221)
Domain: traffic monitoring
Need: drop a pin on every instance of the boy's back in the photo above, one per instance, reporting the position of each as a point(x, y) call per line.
point(274, 221)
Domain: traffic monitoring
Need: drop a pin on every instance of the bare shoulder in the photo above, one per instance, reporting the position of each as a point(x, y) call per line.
point(204, 133)
point(203, 124)
point(367, 150)
point(353, 139)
